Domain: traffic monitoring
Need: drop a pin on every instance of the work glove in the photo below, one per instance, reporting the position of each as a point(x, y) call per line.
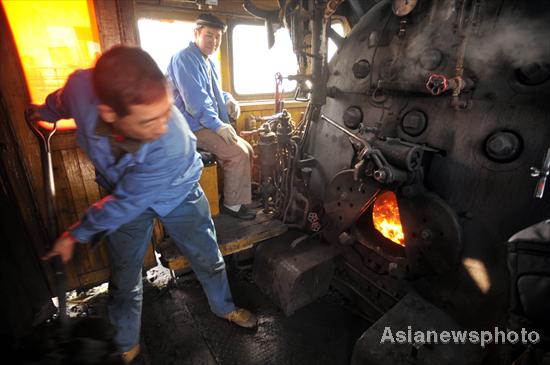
point(227, 133)
point(32, 114)
point(233, 108)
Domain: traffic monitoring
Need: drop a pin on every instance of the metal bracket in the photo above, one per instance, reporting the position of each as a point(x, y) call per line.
point(542, 174)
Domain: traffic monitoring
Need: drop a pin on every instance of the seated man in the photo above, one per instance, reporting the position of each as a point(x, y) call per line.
point(145, 156)
point(198, 95)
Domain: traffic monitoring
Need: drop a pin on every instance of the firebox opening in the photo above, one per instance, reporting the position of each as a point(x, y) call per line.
point(386, 219)
point(379, 227)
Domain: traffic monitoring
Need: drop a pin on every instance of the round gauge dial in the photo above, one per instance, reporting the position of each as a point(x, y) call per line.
point(403, 7)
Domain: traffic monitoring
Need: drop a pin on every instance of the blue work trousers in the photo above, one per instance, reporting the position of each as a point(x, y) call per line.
point(191, 227)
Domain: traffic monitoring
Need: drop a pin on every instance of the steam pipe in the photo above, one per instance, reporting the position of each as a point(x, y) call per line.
point(292, 172)
point(293, 192)
point(460, 53)
point(356, 9)
point(319, 36)
point(400, 155)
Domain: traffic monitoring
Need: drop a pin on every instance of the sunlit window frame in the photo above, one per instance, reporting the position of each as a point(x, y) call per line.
point(232, 23)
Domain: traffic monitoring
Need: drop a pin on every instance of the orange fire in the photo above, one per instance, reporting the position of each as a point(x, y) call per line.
point(385, 216)
point(53, 38)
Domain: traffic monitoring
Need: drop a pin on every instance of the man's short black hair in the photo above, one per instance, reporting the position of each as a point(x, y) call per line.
point(124, 76)
point(210, 20)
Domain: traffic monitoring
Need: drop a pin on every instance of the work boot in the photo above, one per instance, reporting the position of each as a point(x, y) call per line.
point(243, 213)
point(242, 318)
point(130, 355)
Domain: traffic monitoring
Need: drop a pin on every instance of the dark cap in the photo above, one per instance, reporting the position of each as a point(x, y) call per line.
point(210, 20)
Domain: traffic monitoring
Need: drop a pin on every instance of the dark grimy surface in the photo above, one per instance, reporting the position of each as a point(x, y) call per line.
point(179, 328)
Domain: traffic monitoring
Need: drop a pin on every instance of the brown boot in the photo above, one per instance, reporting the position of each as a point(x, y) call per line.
point(130, 355)
point(242, 318)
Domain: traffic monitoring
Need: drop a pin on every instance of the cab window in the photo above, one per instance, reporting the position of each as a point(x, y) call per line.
point(164, 38)
point(254, 65)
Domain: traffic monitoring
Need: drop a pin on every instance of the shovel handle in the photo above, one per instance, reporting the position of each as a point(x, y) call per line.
point(44, 138)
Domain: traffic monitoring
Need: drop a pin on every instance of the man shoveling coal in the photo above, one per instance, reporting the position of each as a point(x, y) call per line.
point(145, 156)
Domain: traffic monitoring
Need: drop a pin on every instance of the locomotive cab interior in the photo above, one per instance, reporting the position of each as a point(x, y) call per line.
point(401, 151)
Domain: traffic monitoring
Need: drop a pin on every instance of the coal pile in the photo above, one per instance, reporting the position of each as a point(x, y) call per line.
point(83, 341)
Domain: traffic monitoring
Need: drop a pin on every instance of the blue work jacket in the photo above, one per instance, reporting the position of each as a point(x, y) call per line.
point(159, 175)
point(196, 94)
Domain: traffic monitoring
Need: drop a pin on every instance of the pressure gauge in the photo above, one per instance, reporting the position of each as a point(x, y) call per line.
point(403, 7)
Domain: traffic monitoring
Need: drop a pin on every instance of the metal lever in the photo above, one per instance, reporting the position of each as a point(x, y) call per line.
point(345, 131)
point(542, 174)
point(383, 172)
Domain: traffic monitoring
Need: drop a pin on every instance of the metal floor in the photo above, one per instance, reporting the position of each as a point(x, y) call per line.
point(178, 328)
